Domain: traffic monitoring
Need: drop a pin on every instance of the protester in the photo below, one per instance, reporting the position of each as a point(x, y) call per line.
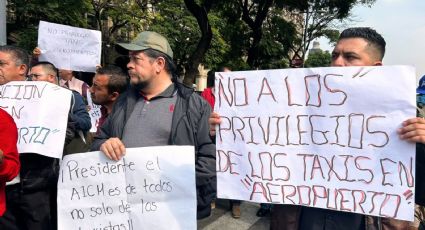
point(157, 110)
point(78, 116)
point(26, 198)
point(420, 161)
point(360, 47)
point(77, 127)
point(208, 93)
point(29, 196)
point(9, 159)
point(108, 83)
point(355, 47)
point(68, 78)
point(13, 64)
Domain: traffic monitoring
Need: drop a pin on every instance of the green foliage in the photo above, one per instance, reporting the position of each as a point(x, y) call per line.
point(258, 32)
point(321, 18)
point(27, 15)
point(126, 15)
point(318, 59)
point(284, 32)
point(219, 47)
point(177, 24)
point(331, 34)
point(68, 12)
point(116, 19)
point(27, 38)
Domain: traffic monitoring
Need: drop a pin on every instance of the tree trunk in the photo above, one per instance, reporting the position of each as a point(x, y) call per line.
point(201, 15)
point(256, 26)
point(254, 50)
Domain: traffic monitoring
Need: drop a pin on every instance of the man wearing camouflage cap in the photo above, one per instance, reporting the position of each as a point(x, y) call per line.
point(157, 110)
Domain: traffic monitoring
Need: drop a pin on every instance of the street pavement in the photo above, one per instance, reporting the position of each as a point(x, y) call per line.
point(221, 218)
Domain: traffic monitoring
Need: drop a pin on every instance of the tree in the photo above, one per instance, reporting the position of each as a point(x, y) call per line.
point(262, 34)
point(255, 23)
point(318, 58)
point(264, 19)
point(236, 35)
point(258, 16)
point(27, 15)
point(276, 42)
point(320, 19)
point(113, 16)
point(254, 35)
point(173, 19)
point(200, 12)
point(201, 43)
point(108, 16)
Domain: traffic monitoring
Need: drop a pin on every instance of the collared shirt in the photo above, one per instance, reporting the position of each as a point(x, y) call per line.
point(75, 84)
point(150, 122)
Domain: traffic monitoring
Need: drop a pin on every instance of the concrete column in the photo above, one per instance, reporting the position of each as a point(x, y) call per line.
point(3, 38)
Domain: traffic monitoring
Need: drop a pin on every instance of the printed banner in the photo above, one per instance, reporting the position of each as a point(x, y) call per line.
point(150, 188)
point(68, 47)
point(40, 111)
point(321, 137)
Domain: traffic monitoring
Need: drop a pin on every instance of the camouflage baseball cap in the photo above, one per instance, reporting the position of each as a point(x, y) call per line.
point(149, 40)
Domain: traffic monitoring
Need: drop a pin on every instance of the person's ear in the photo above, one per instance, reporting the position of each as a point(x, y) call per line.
point(22, 69)
point(160, 64)
point(114, 96)
point(378, 63)
point(52, 78)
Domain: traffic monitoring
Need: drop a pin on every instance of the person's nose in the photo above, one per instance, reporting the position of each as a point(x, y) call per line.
point(338, 61)
point(130, 65)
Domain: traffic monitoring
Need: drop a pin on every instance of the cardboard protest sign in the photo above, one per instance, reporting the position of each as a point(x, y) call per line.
point(94, 112)
point(69, 47)
point(322, 137)
point(40, 111)
point(150, 188)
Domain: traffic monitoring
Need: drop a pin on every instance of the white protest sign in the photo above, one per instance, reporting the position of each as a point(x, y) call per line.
point(40, 111)
point(150, 188)
point(94, 112)
point(69, 47)
point(322, 137)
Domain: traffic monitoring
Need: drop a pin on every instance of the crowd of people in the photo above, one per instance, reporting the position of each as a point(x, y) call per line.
point(148, 106)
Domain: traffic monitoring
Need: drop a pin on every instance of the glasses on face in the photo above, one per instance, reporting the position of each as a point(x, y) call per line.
point(35, 76)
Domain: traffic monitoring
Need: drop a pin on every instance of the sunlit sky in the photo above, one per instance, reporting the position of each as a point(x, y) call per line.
point(402, 24)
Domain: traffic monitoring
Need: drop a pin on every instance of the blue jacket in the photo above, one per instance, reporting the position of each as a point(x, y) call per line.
point(79, 112)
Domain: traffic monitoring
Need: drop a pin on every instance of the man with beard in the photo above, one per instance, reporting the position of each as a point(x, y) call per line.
point(158, 111)
point(108, 83)
point(361, 46)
